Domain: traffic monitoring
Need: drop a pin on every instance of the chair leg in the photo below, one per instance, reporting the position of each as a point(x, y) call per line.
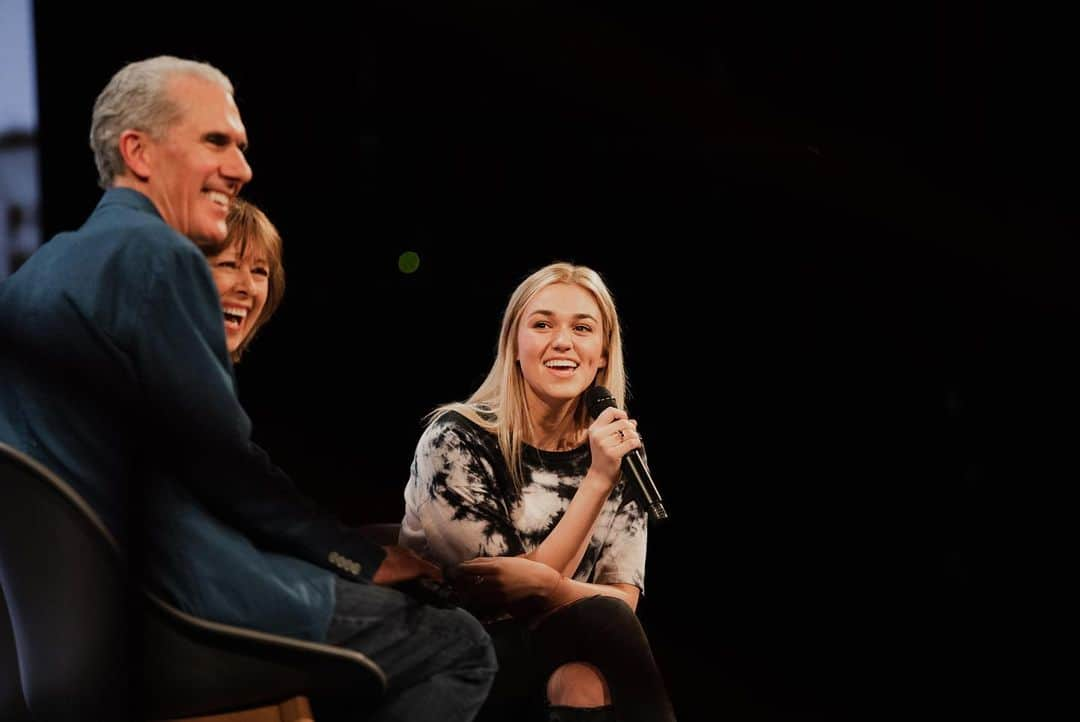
point(296, 709)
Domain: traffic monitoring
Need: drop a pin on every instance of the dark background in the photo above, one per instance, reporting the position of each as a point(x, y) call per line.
point(842, 244)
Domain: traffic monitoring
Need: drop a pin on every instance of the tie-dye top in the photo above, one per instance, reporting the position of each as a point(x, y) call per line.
point(460, 503)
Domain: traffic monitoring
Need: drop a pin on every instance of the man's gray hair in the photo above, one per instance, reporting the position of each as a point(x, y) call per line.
point(137, 97)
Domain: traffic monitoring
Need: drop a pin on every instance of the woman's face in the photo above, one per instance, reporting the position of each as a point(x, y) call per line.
point(560, 341)
point(242, 284)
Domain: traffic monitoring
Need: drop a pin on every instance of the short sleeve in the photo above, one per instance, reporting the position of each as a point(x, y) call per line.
point(622, 553)
point(453, 508)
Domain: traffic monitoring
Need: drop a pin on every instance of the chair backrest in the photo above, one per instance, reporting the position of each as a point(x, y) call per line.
point(80, 626)
point(63, 579)
point(12, 706)
point(383, 534)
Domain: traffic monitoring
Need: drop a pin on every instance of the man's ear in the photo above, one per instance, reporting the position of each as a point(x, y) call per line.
point(137, 153)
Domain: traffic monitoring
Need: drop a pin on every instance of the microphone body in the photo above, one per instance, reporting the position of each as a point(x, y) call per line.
point(633, 465)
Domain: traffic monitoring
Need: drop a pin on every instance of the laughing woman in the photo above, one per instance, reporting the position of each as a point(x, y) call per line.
point(249, 275)
point(517, 495)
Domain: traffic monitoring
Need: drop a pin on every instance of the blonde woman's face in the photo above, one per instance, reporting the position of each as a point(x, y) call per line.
point(560, 341)
point(242, 284)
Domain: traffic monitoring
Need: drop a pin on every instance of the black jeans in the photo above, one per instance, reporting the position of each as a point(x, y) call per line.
point(601, 631)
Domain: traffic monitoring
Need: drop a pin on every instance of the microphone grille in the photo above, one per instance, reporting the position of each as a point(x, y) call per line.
point(597, 399)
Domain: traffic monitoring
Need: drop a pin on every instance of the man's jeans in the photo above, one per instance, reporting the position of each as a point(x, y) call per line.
point(439, 662)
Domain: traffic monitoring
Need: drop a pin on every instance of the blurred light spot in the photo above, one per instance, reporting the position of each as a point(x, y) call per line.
point(408, 262)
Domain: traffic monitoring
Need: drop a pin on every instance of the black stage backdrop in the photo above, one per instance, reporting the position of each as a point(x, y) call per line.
point(842, 243)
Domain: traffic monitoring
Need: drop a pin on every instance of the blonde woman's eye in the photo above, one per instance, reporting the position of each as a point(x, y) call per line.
point(261, 271)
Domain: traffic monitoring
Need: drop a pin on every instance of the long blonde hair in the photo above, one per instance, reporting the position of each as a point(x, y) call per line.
point(499, 404)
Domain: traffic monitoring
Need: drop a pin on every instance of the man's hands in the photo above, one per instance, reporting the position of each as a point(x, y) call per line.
point(401, 565)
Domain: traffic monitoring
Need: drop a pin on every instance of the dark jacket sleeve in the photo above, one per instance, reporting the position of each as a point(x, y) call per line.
point(196, 419)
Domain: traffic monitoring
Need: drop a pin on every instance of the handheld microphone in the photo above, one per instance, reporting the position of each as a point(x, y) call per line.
point(633, 465)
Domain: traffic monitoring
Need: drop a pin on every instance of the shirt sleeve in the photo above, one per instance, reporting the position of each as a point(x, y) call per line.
point(622, 552)
point(186, 376)
point(453, 509)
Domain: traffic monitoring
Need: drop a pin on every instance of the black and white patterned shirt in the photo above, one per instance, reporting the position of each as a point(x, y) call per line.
point(460, 503)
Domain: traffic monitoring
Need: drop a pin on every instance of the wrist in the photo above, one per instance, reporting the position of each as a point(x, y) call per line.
point(598, 482)
point(551, 587)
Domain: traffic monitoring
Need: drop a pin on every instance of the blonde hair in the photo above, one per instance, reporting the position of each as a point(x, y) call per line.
point(499, 404)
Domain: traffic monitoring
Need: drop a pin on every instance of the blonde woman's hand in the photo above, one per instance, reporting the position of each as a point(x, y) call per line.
point(611, 437)
point(517, 585)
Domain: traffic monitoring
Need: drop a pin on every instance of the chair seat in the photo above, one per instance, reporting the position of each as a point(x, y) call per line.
point(194, 667)
point(79, 624)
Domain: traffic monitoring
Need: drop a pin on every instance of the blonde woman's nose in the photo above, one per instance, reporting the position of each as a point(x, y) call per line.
point(563, 339)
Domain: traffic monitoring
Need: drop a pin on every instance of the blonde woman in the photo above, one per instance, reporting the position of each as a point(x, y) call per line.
point(517, 494)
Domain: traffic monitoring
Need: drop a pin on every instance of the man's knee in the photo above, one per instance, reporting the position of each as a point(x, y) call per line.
point(477, 646)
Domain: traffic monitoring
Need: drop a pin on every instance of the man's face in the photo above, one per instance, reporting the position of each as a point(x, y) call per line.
point(198, 165)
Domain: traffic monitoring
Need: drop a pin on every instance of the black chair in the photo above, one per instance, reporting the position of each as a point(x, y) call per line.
point(383, 534)
point(92, 645)
point(12, 706)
